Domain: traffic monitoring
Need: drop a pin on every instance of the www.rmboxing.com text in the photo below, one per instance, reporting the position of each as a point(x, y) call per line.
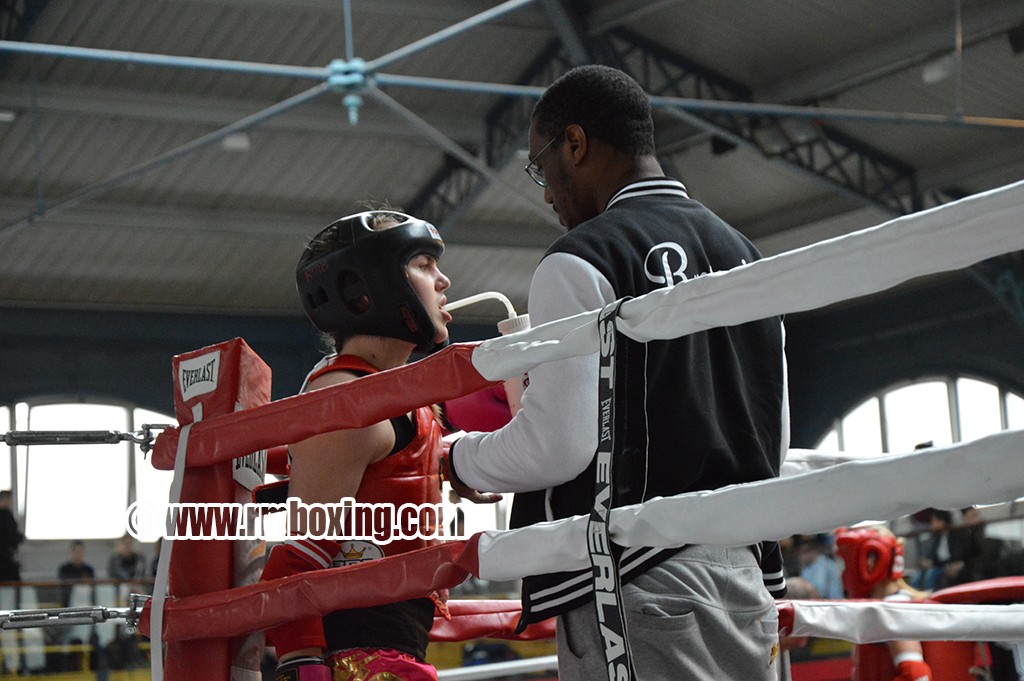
point(346, 520)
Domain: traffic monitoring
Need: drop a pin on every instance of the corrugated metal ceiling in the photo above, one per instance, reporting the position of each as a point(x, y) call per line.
point(219, 230)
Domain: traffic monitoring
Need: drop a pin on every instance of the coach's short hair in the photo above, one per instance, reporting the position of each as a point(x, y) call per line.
point(605, 102)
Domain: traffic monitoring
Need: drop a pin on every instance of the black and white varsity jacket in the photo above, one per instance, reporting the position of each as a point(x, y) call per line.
point(693, 413)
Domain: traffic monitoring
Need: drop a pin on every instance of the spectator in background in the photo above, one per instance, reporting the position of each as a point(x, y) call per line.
point(968, 549)
point(819, 568)
point(126, 563)
point(76, 569)
point(10, 538)
point(934, 551)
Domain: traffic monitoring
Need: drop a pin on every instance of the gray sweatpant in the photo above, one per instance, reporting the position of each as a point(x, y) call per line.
point(702, 614)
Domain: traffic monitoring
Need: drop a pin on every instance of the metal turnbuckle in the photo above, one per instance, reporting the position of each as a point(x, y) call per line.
point(66, 617)
point(143, 438)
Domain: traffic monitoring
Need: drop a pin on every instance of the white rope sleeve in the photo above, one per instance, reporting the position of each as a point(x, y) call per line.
point(877, 621)
point(950, 237)
point(805, 460)
point(876, 489)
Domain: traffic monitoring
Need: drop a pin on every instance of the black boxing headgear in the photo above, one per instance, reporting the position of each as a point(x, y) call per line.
point(352, 278)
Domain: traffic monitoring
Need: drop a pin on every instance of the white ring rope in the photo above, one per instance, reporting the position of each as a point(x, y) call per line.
point(950, 237)
point(845, 494)
point(805, 460)
point(877, 621)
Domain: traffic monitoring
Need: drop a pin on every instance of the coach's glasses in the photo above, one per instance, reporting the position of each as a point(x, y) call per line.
point(535, 172)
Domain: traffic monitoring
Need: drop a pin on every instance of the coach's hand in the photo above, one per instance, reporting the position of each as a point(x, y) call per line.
point(462, 489)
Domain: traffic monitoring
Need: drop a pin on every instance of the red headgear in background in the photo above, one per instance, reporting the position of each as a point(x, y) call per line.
point(857, 548)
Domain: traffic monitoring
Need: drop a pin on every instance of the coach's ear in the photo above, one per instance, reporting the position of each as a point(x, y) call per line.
point(577, 143)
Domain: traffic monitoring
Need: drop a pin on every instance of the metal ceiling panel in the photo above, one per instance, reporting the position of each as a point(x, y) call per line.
point(219, 230)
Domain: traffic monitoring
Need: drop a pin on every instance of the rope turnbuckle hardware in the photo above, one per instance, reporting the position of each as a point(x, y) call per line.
point(143, 438)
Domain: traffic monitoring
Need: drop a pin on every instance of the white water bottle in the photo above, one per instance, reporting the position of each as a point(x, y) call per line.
point(515, 386)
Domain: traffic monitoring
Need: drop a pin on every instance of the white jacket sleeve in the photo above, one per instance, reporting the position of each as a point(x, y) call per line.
point(553, 437)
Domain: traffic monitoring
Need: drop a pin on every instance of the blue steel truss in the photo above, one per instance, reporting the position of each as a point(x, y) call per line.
point(818, 150)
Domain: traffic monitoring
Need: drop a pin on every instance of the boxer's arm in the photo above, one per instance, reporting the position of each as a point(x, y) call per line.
point(908, 658)
point(303, 636)
point(303, 669)
point(324, 469)
point(553, 437)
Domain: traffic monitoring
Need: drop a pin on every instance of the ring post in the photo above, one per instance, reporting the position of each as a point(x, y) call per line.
point(212, 381)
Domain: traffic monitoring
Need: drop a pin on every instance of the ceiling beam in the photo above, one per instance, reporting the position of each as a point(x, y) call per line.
point(982, 21)
point(450, 193)
point(17, 18)
point(842, 163)
point(453, 190)
point(446, 197)
point(621, 12)
point(568, 32)
point(847, 165)
point(442, 11)
point(100, 187)
point(327, 117)
point(138, 217)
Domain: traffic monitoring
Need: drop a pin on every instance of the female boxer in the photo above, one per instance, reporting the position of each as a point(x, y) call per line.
point(873, 568)
point(370, 282)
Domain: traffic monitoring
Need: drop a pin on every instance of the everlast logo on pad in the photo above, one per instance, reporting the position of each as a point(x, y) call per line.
point(250, 470)
point(198, 376)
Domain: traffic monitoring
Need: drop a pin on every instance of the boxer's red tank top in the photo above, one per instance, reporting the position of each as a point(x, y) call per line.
point(411, 475)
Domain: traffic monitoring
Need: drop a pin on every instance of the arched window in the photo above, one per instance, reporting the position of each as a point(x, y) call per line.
point(941, 411)
point(81, 491)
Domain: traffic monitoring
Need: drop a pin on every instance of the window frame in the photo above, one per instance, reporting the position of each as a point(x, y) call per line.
point(19, 419)
point(953, 401)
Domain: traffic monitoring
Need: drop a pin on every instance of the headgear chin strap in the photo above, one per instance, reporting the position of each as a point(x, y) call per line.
point(857, 548)
point(359, 286)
